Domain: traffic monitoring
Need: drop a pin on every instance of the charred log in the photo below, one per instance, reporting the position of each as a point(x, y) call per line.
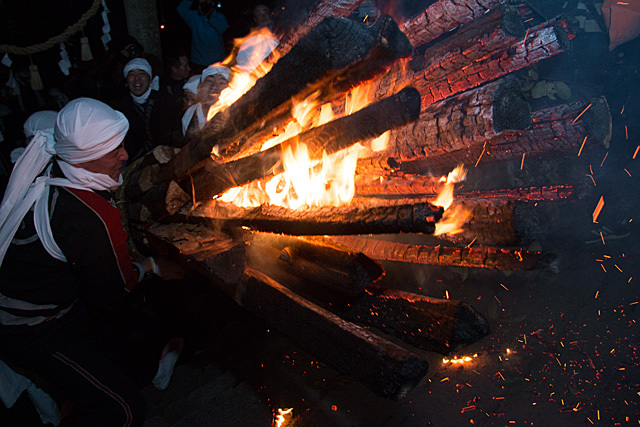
point(412, 218)
point(554, 132)
point(540, 43)
point(426, 323)
point(472, 256)
point(460, 121)
point(323, 9)
point(221, 256)
point(444, 16)
point(320, 261)
point(385, 368)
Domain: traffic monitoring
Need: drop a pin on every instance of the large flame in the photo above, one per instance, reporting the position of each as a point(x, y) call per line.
point(326, 181)
point(455, 216)
point(248, 65)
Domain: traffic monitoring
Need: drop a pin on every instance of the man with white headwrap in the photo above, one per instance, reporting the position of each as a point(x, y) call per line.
point(153, 115)
point(66, 277)
point(213, 80)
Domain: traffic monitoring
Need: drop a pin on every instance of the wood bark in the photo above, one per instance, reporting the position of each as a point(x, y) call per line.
point(332, 47)
point(473, 256)
point(398, 109)
point(554, 132)
point(419, 217)
point(323, 9)
point(318, 261)
point(443, 16)
point(458, 122)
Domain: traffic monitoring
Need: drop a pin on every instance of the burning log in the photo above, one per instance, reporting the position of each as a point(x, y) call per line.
point(554, 132)
point(334, 44)
point(443, 16)
point(410, 218)
point(323, 9)
point(474, 256)
point(458, 122)
point(339, 268)
point(426, 186)
point(493, 222)
point(334, 136)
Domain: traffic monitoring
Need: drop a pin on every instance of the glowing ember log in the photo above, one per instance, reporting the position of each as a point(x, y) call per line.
point(424, 186)
point(384, 367)
point(542, 42)
point(462, 120)
point(443, 16)
point(411, 218)
point(334, 44)
point(554, 132)
point(474, 256)
point(398, 109)
point(334, 267)
point(492, 222)
point(321, 10)
point(426, 323)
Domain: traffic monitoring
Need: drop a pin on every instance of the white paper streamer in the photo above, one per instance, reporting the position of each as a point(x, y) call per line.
point(64, 64)
point(106, 28)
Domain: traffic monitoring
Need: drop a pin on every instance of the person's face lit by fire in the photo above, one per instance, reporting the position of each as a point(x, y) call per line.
point(138, 82)
point(210, 88)
point(109, 164)
point(262, 16)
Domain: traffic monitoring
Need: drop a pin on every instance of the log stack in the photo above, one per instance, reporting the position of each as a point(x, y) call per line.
point(444, 88)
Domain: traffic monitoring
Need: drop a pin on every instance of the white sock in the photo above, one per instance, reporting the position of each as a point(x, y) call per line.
point(170, 355)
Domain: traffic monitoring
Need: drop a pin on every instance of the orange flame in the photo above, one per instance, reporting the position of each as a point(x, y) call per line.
point(329, 181)
point(459, 360)
point(280, 418)
point(248, 65)
point(453, 217)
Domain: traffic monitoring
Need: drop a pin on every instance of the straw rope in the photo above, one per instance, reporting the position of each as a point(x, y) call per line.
point(64, 36)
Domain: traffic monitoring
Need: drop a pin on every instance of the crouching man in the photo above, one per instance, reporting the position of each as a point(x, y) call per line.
point(67, 282)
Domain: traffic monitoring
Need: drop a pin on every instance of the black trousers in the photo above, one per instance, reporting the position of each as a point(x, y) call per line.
point(99, 364)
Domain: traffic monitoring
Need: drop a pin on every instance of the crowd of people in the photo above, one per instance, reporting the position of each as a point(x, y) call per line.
point(73, 308)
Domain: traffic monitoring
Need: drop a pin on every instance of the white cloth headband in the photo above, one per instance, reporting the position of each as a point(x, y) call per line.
point(88, 129)
point(214, 69)
point(41, 120)
point(138, 64)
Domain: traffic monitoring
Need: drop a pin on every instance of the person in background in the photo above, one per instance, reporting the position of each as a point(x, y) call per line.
point(43, 121)
point(207, 26)
point(179, 72)
point(214, 79)
point(153, 115)
point(70, 310)
point(262, 17)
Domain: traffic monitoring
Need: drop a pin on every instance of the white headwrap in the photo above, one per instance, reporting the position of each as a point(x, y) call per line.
point(142, 64)
point(214, 69)
point(196, 109)
point(41, 120)
point(192, 84)
point(86, 130)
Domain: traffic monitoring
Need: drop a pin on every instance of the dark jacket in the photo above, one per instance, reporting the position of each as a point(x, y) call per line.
point(154, 123)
